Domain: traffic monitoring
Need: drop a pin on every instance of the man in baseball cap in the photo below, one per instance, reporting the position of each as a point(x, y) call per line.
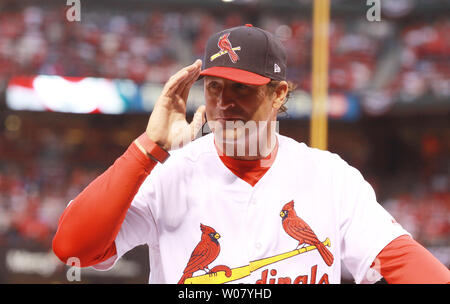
point(247, 66)
point(280, 213)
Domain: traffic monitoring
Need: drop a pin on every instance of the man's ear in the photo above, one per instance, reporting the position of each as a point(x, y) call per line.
point(279, 94)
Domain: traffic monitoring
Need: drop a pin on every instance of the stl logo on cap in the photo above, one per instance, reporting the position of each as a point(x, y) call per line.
point(226, 48)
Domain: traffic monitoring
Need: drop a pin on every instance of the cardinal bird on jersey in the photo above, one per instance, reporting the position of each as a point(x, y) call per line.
point(300, 230)
point(204, 253)
point(225, 45)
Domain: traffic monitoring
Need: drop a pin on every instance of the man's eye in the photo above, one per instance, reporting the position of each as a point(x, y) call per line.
point(240, 86)
point(213, 85)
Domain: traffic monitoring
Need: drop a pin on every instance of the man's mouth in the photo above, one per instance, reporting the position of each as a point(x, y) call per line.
point(229, 118)
point(230, 123)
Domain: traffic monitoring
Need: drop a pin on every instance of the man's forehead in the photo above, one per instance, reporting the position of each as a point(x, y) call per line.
point(213, 78)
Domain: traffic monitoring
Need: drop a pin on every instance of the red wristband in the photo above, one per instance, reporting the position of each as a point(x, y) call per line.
point(153, 149)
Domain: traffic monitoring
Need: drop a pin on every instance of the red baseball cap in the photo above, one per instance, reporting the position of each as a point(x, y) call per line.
point(245, 54)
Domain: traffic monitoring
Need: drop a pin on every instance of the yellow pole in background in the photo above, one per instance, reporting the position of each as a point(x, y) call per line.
point(319, 115)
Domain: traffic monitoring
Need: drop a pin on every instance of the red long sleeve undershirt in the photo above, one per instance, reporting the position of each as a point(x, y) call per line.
point(89, 225)
point(405, 261)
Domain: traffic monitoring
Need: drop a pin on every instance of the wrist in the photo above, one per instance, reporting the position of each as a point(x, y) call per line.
point(151, 149)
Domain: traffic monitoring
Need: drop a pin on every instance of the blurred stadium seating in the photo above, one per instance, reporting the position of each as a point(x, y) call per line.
point(397, 69)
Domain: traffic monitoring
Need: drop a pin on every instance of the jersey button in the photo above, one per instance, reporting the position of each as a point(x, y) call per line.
point(258, 245)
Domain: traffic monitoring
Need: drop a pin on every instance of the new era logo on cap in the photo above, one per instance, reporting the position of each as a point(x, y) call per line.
point(245, 54)
point(276, 68)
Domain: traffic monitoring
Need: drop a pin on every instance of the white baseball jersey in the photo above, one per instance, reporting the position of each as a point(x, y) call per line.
point(194, 187)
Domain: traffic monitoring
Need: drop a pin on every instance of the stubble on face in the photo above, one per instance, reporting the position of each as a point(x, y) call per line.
point(241, 117)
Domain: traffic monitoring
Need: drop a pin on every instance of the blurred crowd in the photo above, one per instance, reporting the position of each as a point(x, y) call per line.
point(425, 216)
point(425, 65)
point(149, 45)
point(43, 168)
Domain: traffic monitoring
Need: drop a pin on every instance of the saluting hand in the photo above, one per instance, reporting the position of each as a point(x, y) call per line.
point(167, 125)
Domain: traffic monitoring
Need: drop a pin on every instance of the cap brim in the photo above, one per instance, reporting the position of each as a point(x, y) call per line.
point(235, 74)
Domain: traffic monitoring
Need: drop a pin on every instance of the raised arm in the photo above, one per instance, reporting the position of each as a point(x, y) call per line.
point(89, 225)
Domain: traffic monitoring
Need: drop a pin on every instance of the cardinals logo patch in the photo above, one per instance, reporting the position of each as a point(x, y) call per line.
point(204, 254)
point(225, 47)
point(298, 229)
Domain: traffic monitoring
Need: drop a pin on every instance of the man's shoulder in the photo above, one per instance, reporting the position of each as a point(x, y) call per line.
point(326, 164)
point(301, 150)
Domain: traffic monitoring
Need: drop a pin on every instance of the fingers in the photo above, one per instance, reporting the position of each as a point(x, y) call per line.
point(198, 121)
point(184, 89)
point(172, 84)
point(178, 82)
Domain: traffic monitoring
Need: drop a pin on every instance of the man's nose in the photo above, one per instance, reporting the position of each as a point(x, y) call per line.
point(226, 98)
